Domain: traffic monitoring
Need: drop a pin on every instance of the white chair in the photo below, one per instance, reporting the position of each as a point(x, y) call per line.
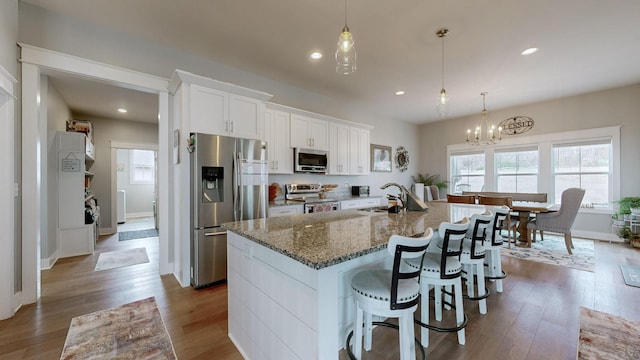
point(390, 293)
point(440, 270)
point(493, 258)
point(472, 258)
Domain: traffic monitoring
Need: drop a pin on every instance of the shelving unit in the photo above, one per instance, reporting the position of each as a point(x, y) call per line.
point(75, 156)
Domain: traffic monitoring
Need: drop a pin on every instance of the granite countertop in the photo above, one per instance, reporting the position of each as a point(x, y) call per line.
point(325, 239)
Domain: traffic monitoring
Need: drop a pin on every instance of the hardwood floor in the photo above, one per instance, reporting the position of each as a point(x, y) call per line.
point(536, 317)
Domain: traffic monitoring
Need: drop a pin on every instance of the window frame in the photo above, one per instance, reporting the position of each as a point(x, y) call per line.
point(545, 143)
point(516, 173)
point(134, 167)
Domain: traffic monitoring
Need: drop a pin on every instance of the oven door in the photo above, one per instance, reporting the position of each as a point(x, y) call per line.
point(310, 208)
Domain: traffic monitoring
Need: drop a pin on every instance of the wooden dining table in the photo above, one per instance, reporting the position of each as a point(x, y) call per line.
point(525, 209)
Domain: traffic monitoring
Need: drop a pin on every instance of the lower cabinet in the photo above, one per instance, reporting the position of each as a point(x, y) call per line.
point(285, 210)
point(359, 203)
point(76, 241)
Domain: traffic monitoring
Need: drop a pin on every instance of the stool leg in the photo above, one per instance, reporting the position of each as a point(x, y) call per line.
point(459, 310)
point(407, 343)
point(447, 298)
point(437, 292)
point(424, 312)
point(357, 338)
point(496, 262)
point(368, 329)
point(481, 288)
point(470, 287)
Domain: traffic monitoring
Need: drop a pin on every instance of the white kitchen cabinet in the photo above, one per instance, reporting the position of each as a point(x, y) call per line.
point(359, 203)
point(338, 149)
point(221, 113)
point(309, 133)
point(359, 157)
point(74, 237)
point(279, 153)
point(284, 210)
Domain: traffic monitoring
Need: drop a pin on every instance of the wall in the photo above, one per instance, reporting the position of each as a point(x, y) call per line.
point(619, 106)
point(105, 131)
point(57, 115)
point(140, 197)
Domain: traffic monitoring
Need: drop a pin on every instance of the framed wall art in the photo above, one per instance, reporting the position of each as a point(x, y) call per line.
point(380, 158)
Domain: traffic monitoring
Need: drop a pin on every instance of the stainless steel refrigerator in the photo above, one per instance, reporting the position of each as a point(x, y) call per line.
point(229, 182)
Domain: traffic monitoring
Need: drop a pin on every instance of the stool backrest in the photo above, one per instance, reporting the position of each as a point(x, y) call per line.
point(452, 235)
point(402, 247)
point(500, 214)
point(477, 232)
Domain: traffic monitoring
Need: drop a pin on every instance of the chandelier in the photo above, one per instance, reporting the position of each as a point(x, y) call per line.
point(346, 52)
point(485, 132)
point(443, 101)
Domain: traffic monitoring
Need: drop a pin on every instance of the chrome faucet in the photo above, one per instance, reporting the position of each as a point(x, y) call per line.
point(403, 193)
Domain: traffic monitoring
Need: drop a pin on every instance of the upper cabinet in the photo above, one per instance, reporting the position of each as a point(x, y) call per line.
point(359, 151)
point(214, 107)
point(309, 133)
point(279, 152)
point(338, 149)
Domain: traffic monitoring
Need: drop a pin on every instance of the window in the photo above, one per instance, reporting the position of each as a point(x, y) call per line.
point(142, 166)
point(583, 165)
point(467, 172)
point(517, 170)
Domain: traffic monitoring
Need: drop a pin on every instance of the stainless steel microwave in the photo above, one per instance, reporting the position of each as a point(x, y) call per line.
point(310, 161)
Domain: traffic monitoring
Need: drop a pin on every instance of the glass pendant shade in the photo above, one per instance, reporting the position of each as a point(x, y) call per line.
point(443, 104)
point(346, 53)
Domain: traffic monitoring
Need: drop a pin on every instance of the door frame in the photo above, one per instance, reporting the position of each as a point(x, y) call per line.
point(34, 60)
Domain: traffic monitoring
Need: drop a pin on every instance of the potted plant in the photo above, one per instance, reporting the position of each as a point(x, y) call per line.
point(617, 219)
point(630, 236)
point(428, 180)
point(628, 203)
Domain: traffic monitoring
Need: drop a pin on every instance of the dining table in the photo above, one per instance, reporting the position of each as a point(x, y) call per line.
point(524, 210)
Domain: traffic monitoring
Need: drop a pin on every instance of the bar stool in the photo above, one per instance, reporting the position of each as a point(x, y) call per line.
point(493, 257)
point(390, 293)
point(472, 258)
point(443, 269)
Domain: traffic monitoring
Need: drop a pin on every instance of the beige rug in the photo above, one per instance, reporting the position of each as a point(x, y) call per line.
point(132, 331)
point(115, 259)
point(554, 251)
point(605, 336)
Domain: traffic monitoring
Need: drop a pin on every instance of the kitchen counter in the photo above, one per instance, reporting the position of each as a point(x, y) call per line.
point(288, 284)
point(325, 239)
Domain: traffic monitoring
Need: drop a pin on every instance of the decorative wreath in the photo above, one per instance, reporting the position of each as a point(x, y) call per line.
point(402, 159)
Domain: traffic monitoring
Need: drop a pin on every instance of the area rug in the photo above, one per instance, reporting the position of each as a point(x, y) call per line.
point(631, 275)
point(115, 259)
point(137, 234)
point(131, 331)
point(606, 336)
point(553, 251)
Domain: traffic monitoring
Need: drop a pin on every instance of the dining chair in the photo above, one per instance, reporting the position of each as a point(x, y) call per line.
point(509, 223)
point(560, 221)
point(442, 270)
point(390, 293)
point(461, 199)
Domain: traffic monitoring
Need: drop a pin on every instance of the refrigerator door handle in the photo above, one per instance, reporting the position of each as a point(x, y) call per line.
point(240, 204)
point(217, 233)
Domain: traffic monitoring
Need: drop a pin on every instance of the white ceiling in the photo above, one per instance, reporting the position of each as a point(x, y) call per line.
point(585, 46)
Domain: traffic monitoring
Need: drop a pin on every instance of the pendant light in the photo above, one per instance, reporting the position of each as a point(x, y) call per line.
point(443, 100)
point(346, 52)
point(485, 132)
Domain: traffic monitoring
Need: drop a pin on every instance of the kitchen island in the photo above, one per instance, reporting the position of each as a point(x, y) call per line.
point(288, 277)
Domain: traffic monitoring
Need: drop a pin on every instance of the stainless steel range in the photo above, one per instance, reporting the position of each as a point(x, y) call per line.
point(312, 197)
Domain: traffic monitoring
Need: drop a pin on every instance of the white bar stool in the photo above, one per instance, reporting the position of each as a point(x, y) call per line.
point(390, 293)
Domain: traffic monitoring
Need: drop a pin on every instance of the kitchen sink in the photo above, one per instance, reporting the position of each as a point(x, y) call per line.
point(376, 209)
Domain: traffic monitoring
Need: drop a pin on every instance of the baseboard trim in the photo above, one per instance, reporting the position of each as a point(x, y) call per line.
point(138, 214)
point(596, 236)
point(46, 264)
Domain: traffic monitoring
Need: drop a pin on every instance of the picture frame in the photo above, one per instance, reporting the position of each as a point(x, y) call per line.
point(381, 158)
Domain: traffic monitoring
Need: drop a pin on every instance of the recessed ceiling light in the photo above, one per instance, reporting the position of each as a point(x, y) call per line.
point(316, 55)
point(399, 92)
point(122, 111)
point(529, 51)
